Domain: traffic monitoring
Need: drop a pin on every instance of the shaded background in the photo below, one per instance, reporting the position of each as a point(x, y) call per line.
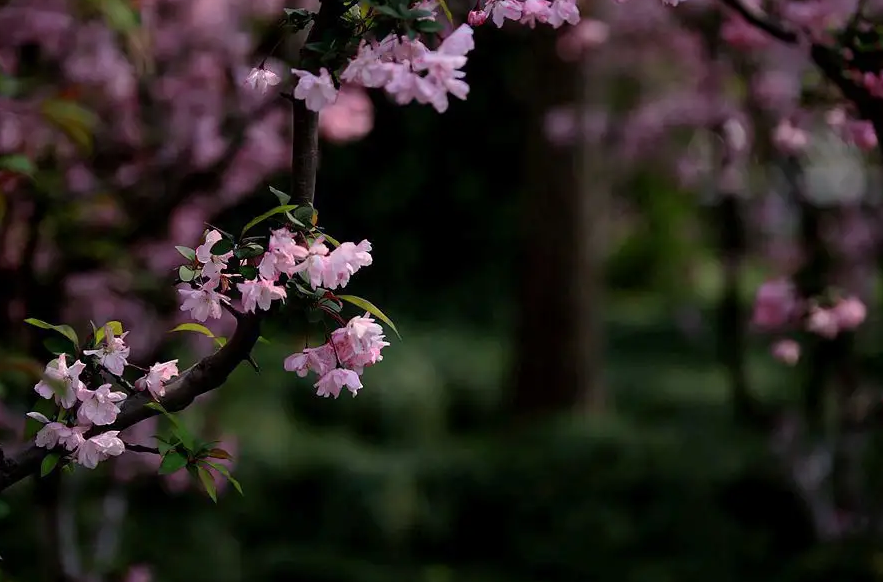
point(570, 255)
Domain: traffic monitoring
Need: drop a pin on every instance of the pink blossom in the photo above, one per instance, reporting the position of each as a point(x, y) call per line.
point(260, 293)
point(331, 383)
point(318, 92)
point(786, 351)
point(563, 11)
point(350, 118)
point(774, 304)
point(476, 18)
point(99, 406)
point(56, 433)
point(790, 139)
point(99, 448)
point(204, 302)
point(316, 263)
point(139, 573)
point(850, 313)
point(533, 11)
point(156, 377)
point(320, 360)
point(114, 353)
point(359, 343)
point(212, 264)
point(343, 262)
point(502, 10)
point(822, 322)
point(573, 44)
point(66, 381)
point(262, 79)
point(283, 254)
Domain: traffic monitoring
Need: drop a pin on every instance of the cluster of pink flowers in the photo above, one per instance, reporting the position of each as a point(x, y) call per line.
point(98, 407)
point(778, 306)
point(407, 69)
point(528, 12)
point(341, 361)
point(317, 264)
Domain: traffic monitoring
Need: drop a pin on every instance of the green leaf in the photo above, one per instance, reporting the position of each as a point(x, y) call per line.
point(208, 482)
point(248, 251)
point(222, 247)
point(388, 11)
point(57, 345)
point(221, 341)
point(71, 118)
point(186, 274)
point(331, 239)
point(266, 215)
point(187, 253)
point(248, 272)
point(198, 328)
point(18, 164)
point(305, 214)
point(263, 340)
point(281, 196)
point(115, 326)
point(226, 473)
point(188, 441)
point(370, 308)
point(65, 330)
point(428, 26)
point(446, 10)
point(162, 446)
point(171, 462)
point(49, 463)
point(156, 406)
point(118, 14)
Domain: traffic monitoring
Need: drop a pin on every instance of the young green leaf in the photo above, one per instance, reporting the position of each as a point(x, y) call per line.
point(190, 326)
point(187, 253)
point(18, 164)
point(172, 461)
point(49, 463)
point(222, 247)
point(281, 196)
point(248, 272)
point(218, 454)
point(221, 341)
point(115, 326)
point(186, 274)
point(65, 330)
point(248, 251)
point(446, 10)
point(156, 406)
point(266, 215)
point(208, 482)
point(370, 308)
point(225, 473)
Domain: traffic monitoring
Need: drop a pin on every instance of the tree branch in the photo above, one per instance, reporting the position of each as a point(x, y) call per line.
point(761, 21)
point(205, 376)
point(305, 123)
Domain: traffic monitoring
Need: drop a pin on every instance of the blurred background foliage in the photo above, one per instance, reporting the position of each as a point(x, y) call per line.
point(430, 475)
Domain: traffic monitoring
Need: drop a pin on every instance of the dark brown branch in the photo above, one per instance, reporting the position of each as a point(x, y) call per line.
point(305, 123)
point(760, 20)
point(208, 374)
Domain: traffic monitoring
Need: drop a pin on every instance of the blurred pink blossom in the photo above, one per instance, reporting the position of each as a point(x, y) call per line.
point(350, 118)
